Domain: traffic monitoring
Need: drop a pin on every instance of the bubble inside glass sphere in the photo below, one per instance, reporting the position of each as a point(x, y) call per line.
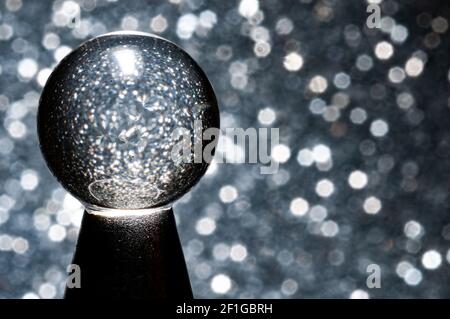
point(108, 115)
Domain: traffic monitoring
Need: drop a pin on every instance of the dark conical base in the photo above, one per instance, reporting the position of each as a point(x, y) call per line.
point(130, 257)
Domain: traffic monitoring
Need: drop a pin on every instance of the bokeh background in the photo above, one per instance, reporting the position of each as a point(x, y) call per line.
point(364, 155)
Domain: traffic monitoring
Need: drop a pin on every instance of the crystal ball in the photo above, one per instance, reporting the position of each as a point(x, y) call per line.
point(108, 117)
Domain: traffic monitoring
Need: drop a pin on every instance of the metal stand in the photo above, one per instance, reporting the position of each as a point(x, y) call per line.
point(130, 257)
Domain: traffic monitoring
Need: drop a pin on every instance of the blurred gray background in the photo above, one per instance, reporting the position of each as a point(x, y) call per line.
point(364, 156)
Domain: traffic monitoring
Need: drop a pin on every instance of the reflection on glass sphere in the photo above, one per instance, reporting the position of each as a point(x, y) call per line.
point(107, 116)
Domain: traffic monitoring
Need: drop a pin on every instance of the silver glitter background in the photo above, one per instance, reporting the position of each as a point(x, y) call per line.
point(363, 117)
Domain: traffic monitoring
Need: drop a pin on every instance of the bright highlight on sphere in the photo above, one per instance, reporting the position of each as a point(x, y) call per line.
point(108, 118)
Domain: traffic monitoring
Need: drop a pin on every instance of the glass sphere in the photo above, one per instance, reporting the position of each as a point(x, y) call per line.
point(107, 117)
